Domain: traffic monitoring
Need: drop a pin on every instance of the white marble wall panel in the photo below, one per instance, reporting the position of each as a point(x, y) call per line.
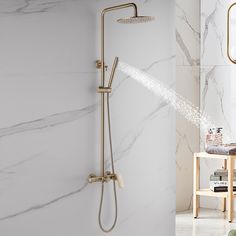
point(215, 97)
point(217, 80)
point(49, 124)
point(187, 84)
point(187, 137)
point(213, 32)
point(187, 32)
point(233, 102)
point(215, 93)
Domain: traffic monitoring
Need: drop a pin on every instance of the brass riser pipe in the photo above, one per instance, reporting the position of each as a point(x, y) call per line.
point(105, 91)
point(102, 144)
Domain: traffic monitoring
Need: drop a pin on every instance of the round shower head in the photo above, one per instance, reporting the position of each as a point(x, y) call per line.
point(136, 19)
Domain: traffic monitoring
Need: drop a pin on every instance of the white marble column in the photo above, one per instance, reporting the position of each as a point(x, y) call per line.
point(187, 84)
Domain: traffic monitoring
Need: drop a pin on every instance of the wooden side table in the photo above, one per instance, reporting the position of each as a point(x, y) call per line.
point(197, 192)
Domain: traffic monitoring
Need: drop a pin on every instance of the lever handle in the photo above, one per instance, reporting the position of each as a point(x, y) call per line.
point(120, 180)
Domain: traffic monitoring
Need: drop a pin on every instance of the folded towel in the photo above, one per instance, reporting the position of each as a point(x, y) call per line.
point(225, 149)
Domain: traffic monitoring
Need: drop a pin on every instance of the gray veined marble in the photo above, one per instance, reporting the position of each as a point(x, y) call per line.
point(23, 7)
point(216, 79)
point(125, 146)
point(183, 16)
point(212, 88)
point(49, 121)
point(209, 20)
point(187, 33)
point(156, 63)
point(68, 116)
point(182, 45)
point(187, 84)
point(39, 206)
point(183, 138)
point(121, 151)
point(209, 76)
point(7, 169)
point(213, 31)
point(129, 140)
point(49, 135)
point(216, 84)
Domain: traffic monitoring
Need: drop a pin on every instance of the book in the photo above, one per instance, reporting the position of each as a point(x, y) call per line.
point(220, 183)
point(222, 172)
point(220, 178)
point(221, 189)
point(221, 186)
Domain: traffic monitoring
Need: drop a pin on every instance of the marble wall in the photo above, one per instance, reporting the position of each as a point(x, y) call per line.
point(201, 51)
point(49, 123)
point(217, 80)
point(187, 84)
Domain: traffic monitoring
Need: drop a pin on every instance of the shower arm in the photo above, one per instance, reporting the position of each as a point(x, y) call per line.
point(118, 7)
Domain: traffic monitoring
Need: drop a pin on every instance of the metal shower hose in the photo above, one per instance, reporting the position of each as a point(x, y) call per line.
point(114, 180)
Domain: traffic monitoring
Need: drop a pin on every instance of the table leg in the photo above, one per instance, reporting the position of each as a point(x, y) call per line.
point(230, 188)
point(224, 199)
point(196, 185)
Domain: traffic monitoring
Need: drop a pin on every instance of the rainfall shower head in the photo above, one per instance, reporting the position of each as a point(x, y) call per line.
point(136, 19)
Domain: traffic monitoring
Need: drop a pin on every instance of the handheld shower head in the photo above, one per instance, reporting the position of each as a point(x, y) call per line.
point(136, 19)
point(113, 70)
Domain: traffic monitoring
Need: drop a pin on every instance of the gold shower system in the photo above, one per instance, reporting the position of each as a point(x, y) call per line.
point(106, 176)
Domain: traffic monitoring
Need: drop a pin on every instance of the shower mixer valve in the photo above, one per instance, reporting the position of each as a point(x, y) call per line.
point(106, 178)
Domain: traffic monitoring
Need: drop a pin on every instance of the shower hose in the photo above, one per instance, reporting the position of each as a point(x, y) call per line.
point(113, 180)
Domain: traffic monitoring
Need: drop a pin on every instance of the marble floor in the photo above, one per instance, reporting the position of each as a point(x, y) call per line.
point(209, 223)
